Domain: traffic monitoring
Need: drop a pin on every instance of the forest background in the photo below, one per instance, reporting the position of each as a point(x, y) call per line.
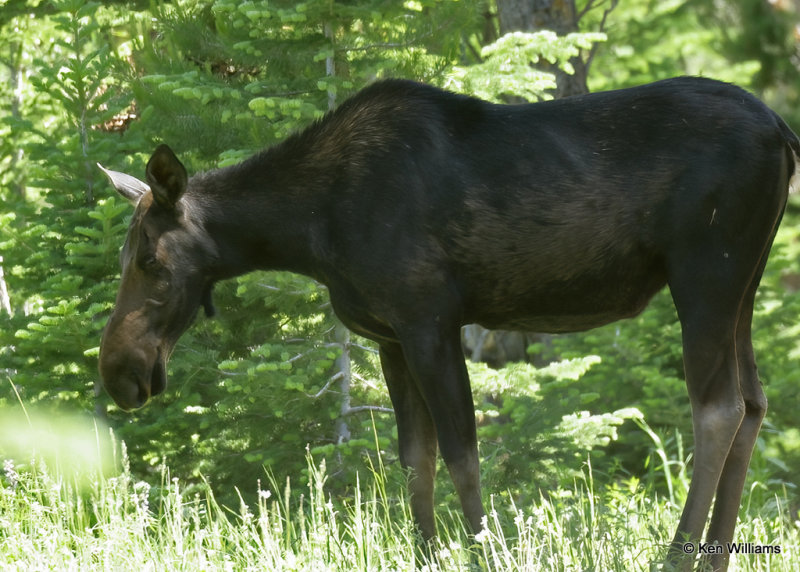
point(274, 377)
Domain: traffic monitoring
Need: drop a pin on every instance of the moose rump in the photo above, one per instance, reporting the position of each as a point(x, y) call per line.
point(422, 210)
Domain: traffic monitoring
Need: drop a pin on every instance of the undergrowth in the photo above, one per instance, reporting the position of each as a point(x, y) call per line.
point(105, 519)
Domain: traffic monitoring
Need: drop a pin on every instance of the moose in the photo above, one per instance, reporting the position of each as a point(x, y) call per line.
point(422, 210)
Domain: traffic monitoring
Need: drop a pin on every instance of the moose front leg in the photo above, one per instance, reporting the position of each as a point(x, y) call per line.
point(436, 363)
point(416, 435)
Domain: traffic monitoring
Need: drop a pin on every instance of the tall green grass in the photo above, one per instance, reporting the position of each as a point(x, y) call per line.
point(103, 519)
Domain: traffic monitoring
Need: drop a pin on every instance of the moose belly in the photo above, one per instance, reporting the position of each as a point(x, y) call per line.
point(559, 306)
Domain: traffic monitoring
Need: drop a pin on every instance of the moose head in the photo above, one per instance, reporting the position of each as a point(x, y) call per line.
point(165, 279)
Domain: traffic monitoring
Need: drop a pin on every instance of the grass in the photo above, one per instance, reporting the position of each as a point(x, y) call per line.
point(103, 519)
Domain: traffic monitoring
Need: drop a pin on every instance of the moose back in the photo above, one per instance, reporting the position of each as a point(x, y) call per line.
point(423, 210)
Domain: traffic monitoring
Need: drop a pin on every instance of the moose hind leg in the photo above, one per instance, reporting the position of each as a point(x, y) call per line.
point(717, 413)
point(416, 435)
point(731, 484)
point(713, 272)
point(709, 307)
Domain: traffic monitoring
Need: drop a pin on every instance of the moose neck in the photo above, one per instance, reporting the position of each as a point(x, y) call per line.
point(263, 214)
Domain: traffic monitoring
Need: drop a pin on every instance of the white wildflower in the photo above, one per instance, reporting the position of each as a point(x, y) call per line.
point(11, 473)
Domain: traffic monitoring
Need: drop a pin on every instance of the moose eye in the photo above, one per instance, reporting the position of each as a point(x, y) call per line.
point(147, 252)
point(149, 262)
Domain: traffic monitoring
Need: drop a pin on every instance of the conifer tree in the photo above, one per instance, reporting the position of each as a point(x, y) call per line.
point(59, 242)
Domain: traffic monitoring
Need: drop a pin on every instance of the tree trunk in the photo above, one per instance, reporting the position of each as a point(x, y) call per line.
point(341, 333)
point(17, 73)
point(5, 299)
point(342, 366)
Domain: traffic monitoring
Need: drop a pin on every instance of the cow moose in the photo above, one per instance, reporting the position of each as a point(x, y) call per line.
point(422, 210)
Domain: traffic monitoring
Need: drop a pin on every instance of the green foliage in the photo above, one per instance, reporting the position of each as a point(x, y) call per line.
point(535, 429)
point(650, 40)
point(222, 77)
point(58, 338)
point(752, 30)
point(507, 68)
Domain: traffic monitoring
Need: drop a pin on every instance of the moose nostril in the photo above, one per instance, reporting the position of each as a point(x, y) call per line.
point(127, 394)
point(144, 396)
point(140, 390)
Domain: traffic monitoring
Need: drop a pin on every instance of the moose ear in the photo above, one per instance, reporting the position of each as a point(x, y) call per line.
point(166, 176)
point(129, 187)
